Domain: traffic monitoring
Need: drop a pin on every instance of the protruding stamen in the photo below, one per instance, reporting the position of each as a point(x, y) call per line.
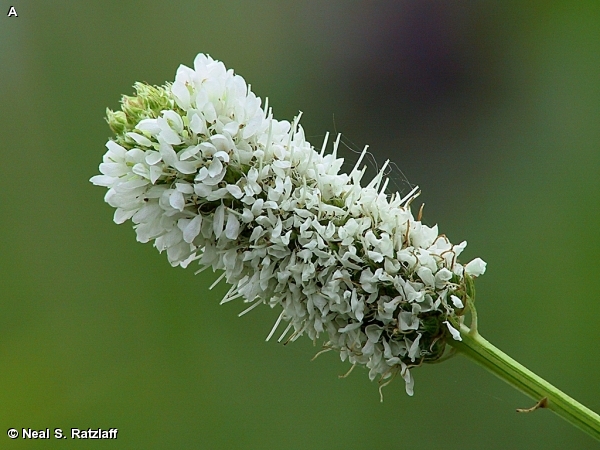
point(409, 196)
point(349, 371)
point(284, 332)
point(217, 281)
point(335, 145)
point(274, 327)
point(360, 158)
point(247, 310)
point(324, 144)
point(229, 299)
point(420, 215)
point(201, 270)
point(385, 183)
point(325, 350)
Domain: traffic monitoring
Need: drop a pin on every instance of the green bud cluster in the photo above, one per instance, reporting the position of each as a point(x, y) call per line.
point(148, 102)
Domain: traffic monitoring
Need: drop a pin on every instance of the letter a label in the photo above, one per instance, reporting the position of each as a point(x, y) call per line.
point(12, 12)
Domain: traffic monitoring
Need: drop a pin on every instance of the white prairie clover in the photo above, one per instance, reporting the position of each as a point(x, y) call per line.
point(206, 173)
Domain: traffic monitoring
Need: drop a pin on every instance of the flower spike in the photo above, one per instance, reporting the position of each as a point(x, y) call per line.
point(207, 175)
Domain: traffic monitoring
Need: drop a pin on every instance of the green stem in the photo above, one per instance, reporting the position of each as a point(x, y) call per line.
point(475, 347)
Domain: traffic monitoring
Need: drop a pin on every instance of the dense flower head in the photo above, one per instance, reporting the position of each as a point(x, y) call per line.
point(208, 175)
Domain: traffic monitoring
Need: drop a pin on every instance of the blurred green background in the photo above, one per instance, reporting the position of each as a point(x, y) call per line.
point(492, 108)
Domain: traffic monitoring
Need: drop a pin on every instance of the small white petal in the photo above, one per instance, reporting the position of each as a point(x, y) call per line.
point(414, 350)
point(350, 327)
point(476, 267)
point(122, 215)
point(187, 167)
point(256, 233)
point(441, 277)
point(453, 331)
point(232, 128)
point(174, 120)
point(170, 137)
point(148, 212)
point(232, 228)
point(141, 170)
point(208, 150)
point(113, 169)
point(409, 380)
point(247, 216)
point(215, 168)
point(457, 302)
point(102, 180)
point(149, 125)
point(155, 173)
point(235, 191)
point(197, 125)
point(153, 158)
point(177, 201)
point(210, 115)
point(202, 190)
point(168, 154)
point(192, 229)
point(115, 149)
point(408, 321)
point(184, 188)
point(142, 140)
point(375, 256)
point(223, 156)
point(219, 220)
point(426, 275)
point(182, 94)
point(188, 152)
